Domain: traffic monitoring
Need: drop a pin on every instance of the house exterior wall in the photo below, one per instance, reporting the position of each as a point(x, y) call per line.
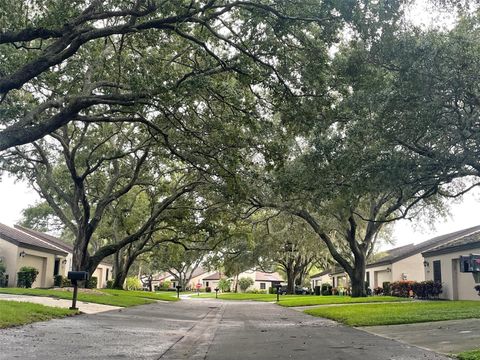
point(9, 254)
point(455, 284)
point(378, 275)
point(318, 281)
point(412, 267)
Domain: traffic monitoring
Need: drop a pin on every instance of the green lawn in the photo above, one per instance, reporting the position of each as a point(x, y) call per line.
point(304, 300)
point(399, 313)
point(108, 297)
point(470, 355)
point(13, 313)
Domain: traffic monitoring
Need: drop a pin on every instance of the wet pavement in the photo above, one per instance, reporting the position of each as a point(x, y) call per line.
point(201, 329)
point(84, 307)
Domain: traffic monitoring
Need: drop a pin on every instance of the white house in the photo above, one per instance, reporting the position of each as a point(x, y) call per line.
point(18, 249)
point(103, 272)
point(401, 263)
point(443, 264)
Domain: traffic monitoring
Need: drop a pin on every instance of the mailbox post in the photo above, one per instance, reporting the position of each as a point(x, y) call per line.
point(216, 292)
point(178, 291)
point(74, 277)
point(278, 286)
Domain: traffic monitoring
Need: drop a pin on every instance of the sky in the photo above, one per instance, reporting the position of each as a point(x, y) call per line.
point(15, 196)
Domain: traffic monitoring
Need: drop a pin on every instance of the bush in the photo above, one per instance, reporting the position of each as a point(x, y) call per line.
point(3, 277)
point(133, 283)
point(378, 291)
point(91, 283)
point(224, 285)
point(245, 283)
point(109, 284)
point(477, 287)
point(58, 280)
point(26, 277)
point(66, 282)
point(272, 290)
point(256, 291)
point(326, 289)
point(402, 288)
point(165, 285)
point(427, 289)
point(208, 289)
point(387, 290)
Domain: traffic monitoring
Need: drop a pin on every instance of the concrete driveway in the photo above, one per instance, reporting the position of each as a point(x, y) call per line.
point(448, 337)
point(201, 329)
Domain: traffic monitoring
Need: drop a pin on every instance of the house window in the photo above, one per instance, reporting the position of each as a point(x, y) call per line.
point(262, 286)
point(437, 271)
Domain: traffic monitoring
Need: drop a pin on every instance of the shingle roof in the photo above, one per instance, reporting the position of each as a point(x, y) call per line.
point(324, 272)
point(46, 237)
point(264, 276)
point(214, 276)
point(23, 239)
point(404, 252)
point(466, 242)
point(52, 240)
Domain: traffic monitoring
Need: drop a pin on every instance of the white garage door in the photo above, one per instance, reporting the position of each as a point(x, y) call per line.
point(38, 263)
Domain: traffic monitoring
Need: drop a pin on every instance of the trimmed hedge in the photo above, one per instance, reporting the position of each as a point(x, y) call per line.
point(420, 290)
point(26, 277)
point(91, 283)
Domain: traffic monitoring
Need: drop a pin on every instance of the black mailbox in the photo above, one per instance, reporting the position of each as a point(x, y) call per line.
point(77, 275)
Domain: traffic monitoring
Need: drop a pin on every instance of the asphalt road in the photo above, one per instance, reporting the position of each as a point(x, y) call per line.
point(200, 329)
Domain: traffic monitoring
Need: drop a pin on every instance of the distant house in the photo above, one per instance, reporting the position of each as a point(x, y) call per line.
point(442, 263)
point(19, 249)
point(103, 272)
point(261, 280)
point(401, 263)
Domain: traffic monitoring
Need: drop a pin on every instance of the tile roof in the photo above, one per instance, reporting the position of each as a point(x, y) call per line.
point(466, 242)
point(25, 240)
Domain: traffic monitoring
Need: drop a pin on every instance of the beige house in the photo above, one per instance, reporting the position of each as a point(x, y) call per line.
point(18, 249)
point(442, 264)
point(401, 263)
point(261, 280)
point(103, 272)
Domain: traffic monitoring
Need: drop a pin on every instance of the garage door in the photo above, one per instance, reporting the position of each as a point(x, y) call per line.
point(38, 263)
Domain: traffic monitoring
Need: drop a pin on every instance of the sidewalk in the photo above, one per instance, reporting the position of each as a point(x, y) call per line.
point(447, 337)
point(84, 307)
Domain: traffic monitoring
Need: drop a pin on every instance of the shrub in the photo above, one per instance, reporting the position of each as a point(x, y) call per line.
point(387, 290)
point(272, 290)
point(427, 289)
point(402, 288)
point(224, 285)
point(245, 283)
point(208, 289)
point(66, 282)
point(58, 280)
point(91, 283)
point(326, 289)
point(165, 285)
point(477, 287)
point(378, 291)
point(109, 284)
point(133, 283)
point(3, 277)
point(26, 277)
point(256, 291)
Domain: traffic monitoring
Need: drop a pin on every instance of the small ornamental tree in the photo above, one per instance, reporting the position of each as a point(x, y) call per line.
point(133, 283)
point(224, 285)
point(245, 283)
